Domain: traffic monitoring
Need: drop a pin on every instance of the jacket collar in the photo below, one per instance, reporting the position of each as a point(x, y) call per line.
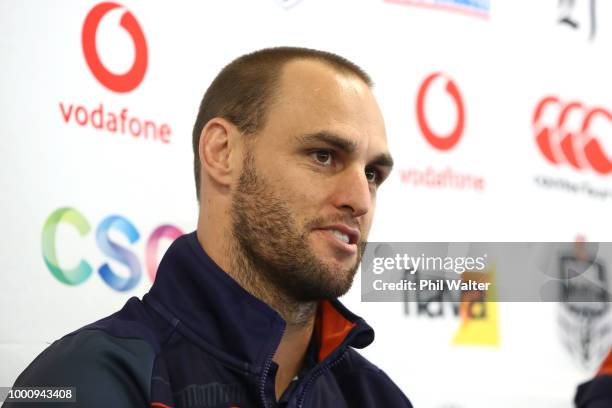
point(207, 305)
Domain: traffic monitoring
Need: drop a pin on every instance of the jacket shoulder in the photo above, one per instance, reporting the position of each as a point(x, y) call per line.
point(596, 393)
point(109, 362)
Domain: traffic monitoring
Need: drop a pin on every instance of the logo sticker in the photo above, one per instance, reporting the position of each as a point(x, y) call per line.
point(576, 147)
point(120, 83)
point(440, 141)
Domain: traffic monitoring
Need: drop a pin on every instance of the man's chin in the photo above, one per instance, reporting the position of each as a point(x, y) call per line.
point(339, 274)
point(328, 288)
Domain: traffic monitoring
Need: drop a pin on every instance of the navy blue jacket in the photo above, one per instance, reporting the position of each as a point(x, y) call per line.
point(597, 393)
point(198, 339)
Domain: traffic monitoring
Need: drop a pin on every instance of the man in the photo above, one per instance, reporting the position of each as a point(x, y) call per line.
point(290, 149)
point(597, 392)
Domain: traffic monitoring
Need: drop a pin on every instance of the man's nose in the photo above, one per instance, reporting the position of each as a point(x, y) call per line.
point(352, 192)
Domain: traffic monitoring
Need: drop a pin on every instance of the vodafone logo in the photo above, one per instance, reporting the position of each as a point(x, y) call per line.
point(563, 143)
point(115, 82)
point(121, 121)
point(446, 177)
point(440, 141)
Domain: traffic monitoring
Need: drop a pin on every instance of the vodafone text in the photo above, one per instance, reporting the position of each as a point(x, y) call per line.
point(119, 123)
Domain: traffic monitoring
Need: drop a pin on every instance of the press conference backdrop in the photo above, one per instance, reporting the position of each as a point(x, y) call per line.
point(479, 97)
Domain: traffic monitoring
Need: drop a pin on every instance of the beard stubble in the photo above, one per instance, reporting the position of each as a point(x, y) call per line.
point(272, 245)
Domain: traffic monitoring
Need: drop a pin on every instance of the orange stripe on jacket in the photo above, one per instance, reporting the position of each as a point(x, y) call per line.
point(159, 404)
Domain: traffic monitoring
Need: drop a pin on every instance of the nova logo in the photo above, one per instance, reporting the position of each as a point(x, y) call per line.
point(440, 141)
point(115, 82)
point(566, 136)
point(114, 224)
point(476, 311)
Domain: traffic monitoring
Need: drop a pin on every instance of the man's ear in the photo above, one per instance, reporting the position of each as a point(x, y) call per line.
point(217, 142)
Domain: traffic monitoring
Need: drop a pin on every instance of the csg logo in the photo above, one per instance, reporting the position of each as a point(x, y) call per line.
point(562, 142)
point(115, 82)
point(440, 141)
point(113, 224)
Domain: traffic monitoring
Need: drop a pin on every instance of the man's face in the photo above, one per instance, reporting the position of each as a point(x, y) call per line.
point(305, 199)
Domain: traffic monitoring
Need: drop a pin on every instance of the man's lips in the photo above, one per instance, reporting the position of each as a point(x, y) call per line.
point(353, 234)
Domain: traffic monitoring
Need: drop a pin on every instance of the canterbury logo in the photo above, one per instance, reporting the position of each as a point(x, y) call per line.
point(561, 143)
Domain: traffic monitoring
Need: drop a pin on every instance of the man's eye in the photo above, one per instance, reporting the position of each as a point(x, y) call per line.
point(372, 175)
point(324, 157)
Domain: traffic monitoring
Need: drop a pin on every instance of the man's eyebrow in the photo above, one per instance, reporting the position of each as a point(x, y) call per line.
point(383, 159)
point(348, 146)
point(339, 142)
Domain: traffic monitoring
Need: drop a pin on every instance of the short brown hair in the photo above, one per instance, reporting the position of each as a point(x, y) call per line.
point(242, 91)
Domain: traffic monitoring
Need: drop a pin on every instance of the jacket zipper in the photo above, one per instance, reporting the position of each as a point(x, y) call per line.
point(264, 375)
point(317, 374)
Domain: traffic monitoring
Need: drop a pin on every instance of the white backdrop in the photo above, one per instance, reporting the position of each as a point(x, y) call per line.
point(503, 57)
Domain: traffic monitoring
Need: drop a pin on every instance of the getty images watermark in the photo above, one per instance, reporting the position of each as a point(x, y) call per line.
point(486, 272)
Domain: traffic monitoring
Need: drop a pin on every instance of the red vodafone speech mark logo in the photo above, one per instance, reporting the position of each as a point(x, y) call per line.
point(118, 83)
point(442, 142)
point(578, 147)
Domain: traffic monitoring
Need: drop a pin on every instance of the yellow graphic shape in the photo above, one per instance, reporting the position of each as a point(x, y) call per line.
point(478, 313)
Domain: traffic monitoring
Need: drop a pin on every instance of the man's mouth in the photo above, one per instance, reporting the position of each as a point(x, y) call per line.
point(343, 236)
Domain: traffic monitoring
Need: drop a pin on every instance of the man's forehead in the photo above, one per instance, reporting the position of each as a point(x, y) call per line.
point(316, 77)
point(316, 96)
